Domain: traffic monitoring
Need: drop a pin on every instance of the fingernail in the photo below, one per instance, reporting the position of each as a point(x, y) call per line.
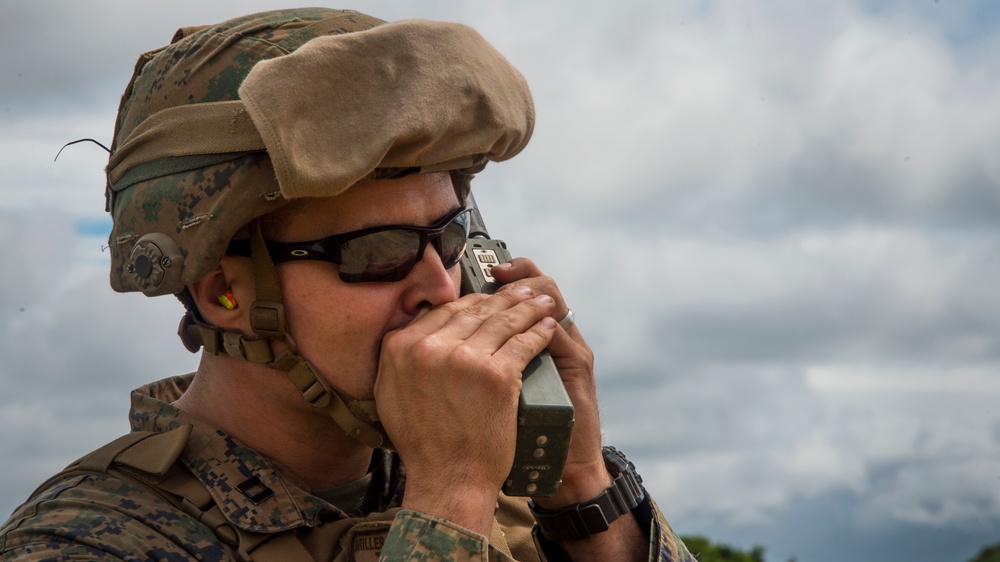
point(523, 290)
point(543, 298)
point(502, 266)
point(549, 323)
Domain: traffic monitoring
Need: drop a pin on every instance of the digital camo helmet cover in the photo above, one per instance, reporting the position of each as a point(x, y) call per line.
point(231, 122)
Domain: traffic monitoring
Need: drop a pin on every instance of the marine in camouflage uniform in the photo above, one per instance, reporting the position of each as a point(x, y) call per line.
point(212, 142)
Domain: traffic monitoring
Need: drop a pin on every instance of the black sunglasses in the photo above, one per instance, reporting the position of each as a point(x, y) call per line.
point(382, 253)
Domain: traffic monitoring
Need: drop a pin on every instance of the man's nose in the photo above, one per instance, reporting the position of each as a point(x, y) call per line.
point(429, 283)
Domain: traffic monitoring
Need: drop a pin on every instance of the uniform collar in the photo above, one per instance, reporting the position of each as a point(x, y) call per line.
point(254, 492)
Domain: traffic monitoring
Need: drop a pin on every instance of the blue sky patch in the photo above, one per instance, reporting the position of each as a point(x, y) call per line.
point(94, 227)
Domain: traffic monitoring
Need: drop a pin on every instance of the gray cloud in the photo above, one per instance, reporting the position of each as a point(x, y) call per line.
point(743, 123)
point(72, 349)
point(775, 222)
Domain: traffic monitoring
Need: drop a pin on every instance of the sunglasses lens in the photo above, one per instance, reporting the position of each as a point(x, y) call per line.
point(453, 241)
point(381, 256)
point(389, 255)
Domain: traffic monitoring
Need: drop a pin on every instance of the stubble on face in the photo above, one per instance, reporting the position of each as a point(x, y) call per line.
point(339, 326)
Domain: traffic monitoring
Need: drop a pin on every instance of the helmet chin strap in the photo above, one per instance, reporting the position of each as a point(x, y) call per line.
point(358, 418)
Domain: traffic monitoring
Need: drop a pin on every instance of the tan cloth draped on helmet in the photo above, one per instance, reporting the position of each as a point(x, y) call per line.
point(460, 99)
point(414, 95)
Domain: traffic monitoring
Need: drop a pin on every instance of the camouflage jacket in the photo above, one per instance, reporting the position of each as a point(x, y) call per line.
point(115, 517)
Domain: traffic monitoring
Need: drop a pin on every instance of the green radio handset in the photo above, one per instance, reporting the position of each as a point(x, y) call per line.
point(544, 412)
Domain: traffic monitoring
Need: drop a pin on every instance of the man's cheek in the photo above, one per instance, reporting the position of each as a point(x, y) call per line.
point(456, 279)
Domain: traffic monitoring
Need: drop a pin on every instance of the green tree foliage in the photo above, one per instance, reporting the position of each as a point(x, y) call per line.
point(988, 554)
point(707, 551)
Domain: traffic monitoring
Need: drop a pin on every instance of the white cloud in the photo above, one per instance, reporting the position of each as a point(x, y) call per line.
point(754, 118)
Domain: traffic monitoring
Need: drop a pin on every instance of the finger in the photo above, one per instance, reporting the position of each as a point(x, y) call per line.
point(467, 321)
point(515, 269)
point(502, 325)
point(462, 317)
point(521, 348)
point(523, 271)
point(570, 351)
point(429, 321)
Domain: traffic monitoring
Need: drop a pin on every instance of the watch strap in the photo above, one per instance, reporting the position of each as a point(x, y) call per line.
point(586, 519)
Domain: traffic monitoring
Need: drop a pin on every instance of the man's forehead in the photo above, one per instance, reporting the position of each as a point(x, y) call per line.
point(419, 199)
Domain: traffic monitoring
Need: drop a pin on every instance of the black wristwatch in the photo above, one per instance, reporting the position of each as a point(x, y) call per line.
point(583, 520)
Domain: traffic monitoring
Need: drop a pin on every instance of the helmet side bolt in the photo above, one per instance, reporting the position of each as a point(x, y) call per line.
point(156, 264)
point(143, 266)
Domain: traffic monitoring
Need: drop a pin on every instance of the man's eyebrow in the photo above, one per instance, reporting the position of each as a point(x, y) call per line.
point(367, 226)
point(454, 210)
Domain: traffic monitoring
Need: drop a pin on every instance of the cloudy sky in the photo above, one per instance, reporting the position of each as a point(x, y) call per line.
point(778, 223)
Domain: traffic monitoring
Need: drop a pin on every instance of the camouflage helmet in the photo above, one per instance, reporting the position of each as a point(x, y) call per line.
point(207, 138)
point(231, 122)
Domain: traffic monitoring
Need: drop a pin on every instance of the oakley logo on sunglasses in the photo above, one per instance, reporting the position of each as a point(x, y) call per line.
point(382, 253)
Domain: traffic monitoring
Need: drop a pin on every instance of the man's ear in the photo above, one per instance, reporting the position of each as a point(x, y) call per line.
point(234, 279)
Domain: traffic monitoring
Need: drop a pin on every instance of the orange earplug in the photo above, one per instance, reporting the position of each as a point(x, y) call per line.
point(228, 300)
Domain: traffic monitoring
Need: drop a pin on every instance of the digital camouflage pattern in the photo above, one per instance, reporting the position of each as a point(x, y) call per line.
point(114, 518)
point(202, 201)
point(101, 517)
